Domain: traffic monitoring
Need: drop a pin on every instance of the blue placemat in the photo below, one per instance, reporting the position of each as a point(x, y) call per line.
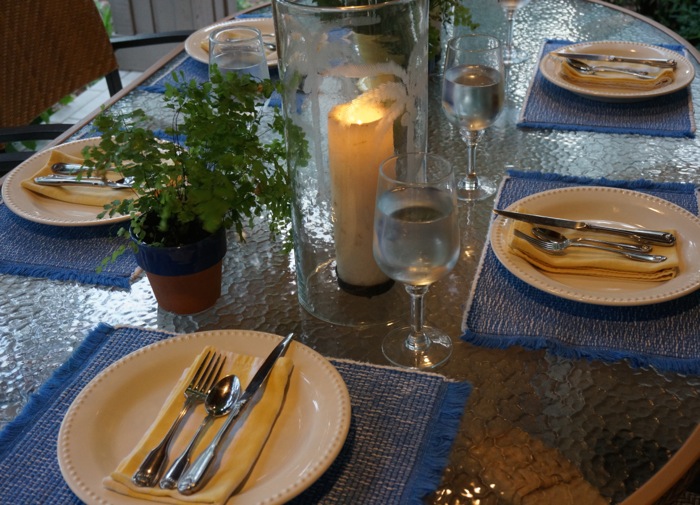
point(403, 424)
point(62, 253)
point(549, 106)
point(503, 310)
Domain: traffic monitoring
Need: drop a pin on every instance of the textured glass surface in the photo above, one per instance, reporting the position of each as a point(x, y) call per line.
point(535, 422)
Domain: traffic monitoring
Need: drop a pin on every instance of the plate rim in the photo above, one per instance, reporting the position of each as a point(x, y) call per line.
point(552, 76)
point(92, 492)
point(193, 40)
point(12, 186)
point(547, 282)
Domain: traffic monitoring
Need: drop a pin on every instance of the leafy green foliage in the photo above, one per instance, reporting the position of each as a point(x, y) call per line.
point(443, 12)
point(226, 166)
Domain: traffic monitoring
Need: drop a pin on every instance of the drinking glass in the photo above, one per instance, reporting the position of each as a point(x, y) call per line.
point(511, 54)
point(416, 242)
point(238, 49)
point(472, 97)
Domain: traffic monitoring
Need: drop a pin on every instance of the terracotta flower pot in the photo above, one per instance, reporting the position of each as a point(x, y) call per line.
point(185, 279)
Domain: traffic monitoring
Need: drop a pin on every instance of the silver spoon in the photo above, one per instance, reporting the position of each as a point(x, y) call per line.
point(585, 68)
point(549, 234)
point(551, 247)
point(219, 402)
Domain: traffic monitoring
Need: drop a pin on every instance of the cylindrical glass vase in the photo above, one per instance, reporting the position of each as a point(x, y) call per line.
point(355, 78)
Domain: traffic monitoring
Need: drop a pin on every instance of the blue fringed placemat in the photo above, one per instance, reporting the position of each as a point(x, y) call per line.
point(403, 425)
point(549, 106)
point(62, 253)
point(503, 311)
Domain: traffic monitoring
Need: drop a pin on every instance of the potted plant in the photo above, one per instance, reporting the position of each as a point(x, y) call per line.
point(223, 167)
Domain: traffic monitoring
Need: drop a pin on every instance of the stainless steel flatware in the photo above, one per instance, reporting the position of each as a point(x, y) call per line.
point(662, 238)
point(206, 375)
point(195, 475)
point(552, 247)
point(70, 168)
point(555, 236)
point(219, 402)
point(587, 69)
point(74, 180)
point(612, 58)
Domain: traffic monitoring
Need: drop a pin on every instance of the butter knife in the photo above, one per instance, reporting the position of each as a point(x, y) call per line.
point(194, 477)
point(97, 182)
point(662, 238)
point(653, 62)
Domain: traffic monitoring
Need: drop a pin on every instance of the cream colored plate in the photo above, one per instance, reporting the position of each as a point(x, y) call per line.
point(607, 206)
point(193, 44)
point(41, 209)
point(110, 415)
point(684, 73)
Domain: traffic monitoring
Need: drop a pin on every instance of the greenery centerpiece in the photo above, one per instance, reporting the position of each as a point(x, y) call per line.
point(224, 166)
point(218, 166)
point(442, 14)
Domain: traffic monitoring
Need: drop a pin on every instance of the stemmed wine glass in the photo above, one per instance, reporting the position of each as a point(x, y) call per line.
point(472, 97)
point(511, 54)
point(416, 242)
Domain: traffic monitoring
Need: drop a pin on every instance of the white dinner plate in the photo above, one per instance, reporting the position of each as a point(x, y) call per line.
point(193, 44)
point(44, 210)
point(613, 207)
point(107, 419)
point(550, 66)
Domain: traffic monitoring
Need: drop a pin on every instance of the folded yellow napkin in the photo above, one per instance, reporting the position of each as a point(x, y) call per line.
point(244, 442)
point(661, 76)
point(592, 262)
point(83, 195)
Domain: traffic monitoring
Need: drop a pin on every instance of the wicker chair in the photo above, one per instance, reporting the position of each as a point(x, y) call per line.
point(49, 49)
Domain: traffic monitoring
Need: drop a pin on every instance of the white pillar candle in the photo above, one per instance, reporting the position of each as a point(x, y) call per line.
point(358, 141)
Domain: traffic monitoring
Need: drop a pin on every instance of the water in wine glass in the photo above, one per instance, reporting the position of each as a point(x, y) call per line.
point(415, 240)
point(472, 96)
point(513, 4)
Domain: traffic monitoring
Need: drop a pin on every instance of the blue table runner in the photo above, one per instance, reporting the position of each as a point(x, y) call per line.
point(549, 106)
point(403, 425)
point(503, 311)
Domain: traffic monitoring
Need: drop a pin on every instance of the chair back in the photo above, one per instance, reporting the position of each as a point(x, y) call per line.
point(49, 49)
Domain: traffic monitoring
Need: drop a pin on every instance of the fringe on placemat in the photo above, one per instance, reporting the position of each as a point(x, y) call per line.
point(639, 184)
point(59, 274)
point(47, 393)
point(687, 366)
point(428, 470)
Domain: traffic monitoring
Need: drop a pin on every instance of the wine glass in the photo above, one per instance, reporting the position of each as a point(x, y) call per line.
point(472, 97)
point(511, 54)
point(239, 49)
point(416, 242)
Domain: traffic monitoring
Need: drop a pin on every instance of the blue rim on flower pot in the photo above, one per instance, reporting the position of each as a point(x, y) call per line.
point(182, 260)
point(185, 279)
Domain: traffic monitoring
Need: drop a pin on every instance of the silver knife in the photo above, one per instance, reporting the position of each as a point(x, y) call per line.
point(65, 180)
point(654, 62)
point(658, 237)
point(193, 478)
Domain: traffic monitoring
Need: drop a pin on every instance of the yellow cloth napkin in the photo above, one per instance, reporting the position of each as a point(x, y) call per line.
point(83, 195)
point(244, 442)
point(592, 262)
point(662, 76)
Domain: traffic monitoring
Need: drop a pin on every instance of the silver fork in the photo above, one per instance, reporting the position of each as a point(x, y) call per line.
point(207, 374)
point(558, 248)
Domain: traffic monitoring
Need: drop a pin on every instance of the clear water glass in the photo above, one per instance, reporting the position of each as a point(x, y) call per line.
point(473, 89)
point(416, 242)
point(511, 54)
point(239, 49)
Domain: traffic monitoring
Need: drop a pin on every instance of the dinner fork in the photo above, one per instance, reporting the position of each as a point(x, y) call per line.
point(558, 248)
point(207, 374)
